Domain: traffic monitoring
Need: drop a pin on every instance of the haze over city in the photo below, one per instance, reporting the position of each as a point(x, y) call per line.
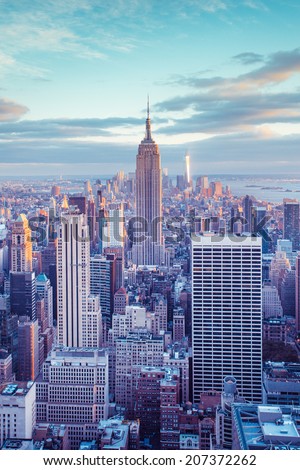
point(223, 79)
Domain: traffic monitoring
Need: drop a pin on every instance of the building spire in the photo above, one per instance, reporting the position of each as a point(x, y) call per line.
point(148, 124)
point(148, 108)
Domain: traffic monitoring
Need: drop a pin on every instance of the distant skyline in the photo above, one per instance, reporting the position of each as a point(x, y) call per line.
point(222, 75)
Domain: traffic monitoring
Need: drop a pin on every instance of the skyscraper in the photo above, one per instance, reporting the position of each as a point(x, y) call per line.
point(187, 171)
point(21, 246)
point(17, 410)
point(103, 282)
point(45, 290)
point(137, 349)
point(76, 310)
point(73, 389)
point(8, 329)
point(227, 324)
point(23, 294)
point(297, 289)
point(147, 247)
point(247, 212)
point(22, 278)
point(28, 349)
point(291, 227)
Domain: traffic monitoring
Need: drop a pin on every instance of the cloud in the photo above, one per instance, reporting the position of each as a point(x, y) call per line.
point(209, 6)
point(11, 111)
point(278, 68)
point(231, 154)
point(63, 128)
point(81, 29)
point(249, 58)
point(91, 29)
point(213, 114)
point(235, 104)
point(10, 65)
point(256, 5)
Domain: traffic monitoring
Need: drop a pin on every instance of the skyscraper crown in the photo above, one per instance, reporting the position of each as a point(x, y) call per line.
point(148, 137)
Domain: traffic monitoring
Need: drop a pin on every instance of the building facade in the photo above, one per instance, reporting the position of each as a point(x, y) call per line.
point(227, 310)
point(147, 248)
point(73, 390)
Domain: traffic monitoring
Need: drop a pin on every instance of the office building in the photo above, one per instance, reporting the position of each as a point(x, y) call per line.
point(291, 223)
point(247, 213)
point(120, 301)
point(73, 390)
point(74, 302)
point(169, 411)
point(281, 385)
point(17, 410)
point(137, 349)
point(23, 294)
point(147, 407)
point(103, 282)
point(21, 245)
point(271, 304)
point(28, 349)
point(297, 293)
point(9, 330)
point(176, 357)
point(227, 310)
point(45, 291)
point(6, 372)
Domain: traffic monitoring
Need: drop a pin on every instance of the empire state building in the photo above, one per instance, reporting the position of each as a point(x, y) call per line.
point(148, 245)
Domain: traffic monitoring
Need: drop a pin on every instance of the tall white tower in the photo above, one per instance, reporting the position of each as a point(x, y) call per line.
point(227, 314)
point(187, 170)
point(114, 235)
point(77, 313)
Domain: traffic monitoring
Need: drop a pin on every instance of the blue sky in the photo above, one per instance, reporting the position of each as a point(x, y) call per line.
point(223, 79)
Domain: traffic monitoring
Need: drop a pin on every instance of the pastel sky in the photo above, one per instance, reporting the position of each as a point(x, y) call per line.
point(222, 75)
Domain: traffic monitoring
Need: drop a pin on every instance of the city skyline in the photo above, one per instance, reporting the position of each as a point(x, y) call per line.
point(171, 355)
point(222, 84)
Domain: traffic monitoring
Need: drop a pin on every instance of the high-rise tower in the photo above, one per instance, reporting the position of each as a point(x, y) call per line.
point(247, 212)
point(291, 228)
point(147, 245)
point(297, 299)
point(227, 314)
point(187, 170)
point(21, 247)
point(78, 312)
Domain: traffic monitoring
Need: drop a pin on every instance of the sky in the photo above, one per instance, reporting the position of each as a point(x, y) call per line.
point(222, 75)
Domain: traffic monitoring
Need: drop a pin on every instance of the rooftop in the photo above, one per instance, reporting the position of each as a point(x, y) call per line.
point(114, 434)
point(17, 444)
point(122, 290)
point(21, 218)
point(42, 277)
point(15, 389)
point(88, 445)
point(140, 334)
point(266, 427)
point(64, 352)
point(4, 354)
point(281, 371)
